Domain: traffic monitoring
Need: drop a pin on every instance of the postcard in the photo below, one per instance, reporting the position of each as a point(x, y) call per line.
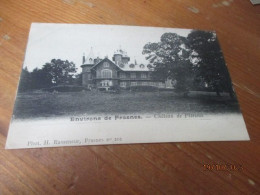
point(85, 84)
point(255, 2)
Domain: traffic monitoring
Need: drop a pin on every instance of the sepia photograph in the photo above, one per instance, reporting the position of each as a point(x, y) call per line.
point(99, 74)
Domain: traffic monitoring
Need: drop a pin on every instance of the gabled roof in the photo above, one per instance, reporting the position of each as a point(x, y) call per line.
point(127, 67)
point(105, 59)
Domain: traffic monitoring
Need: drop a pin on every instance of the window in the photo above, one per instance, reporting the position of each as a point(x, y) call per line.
point(106, 83)
point(122, 84)
point(141, 66)
point(133, 83)
point(103, 83)
point(132, 75)
point(122, 75)
point(143, 75)
point(121, 65)
point(161, 84)
point(106, 73)
point(106, 64)
point(131, 65)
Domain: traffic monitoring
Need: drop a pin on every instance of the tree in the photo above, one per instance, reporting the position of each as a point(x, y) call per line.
point(54, 73)
point(40, 79)
point(170, 58)
point(209, 61)
point(60, 71)
point(78, 79)
point(25, 80)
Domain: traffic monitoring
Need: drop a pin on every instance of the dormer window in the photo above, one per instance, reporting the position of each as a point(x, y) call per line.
point(131, 65)
point(141, 66)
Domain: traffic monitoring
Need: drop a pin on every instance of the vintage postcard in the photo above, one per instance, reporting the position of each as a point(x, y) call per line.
point(87, 84)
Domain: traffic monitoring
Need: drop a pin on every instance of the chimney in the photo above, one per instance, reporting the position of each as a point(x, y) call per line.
point(83, 59)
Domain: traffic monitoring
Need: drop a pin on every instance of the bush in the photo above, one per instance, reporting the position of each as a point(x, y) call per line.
point(65, 88)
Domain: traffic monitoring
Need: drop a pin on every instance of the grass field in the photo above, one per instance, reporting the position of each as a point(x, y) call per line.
point(44, 104)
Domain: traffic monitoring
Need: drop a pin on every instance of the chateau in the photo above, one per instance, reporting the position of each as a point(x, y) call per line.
point(118, 72)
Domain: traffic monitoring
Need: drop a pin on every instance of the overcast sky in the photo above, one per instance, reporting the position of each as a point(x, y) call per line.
point(70, 41)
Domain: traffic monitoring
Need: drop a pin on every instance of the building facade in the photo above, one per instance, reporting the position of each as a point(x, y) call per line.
point(118, 72)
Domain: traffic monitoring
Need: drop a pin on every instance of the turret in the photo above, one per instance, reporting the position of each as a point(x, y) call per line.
point(120, 57)
point(90, 58)
point(87, 64)
point(117, 58)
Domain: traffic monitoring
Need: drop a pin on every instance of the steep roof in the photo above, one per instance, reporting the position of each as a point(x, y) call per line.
point(105, 59)
point(134, 67)
point(127, 67)
point(90, 58)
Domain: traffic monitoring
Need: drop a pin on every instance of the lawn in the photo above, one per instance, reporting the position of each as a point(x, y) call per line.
point(44, 104)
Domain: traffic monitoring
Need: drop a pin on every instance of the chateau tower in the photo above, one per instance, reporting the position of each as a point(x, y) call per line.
point(87, 64)
point(120, 57)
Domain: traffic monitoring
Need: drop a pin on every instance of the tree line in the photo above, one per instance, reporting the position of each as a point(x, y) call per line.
point(194, 62)
point(54, 73)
